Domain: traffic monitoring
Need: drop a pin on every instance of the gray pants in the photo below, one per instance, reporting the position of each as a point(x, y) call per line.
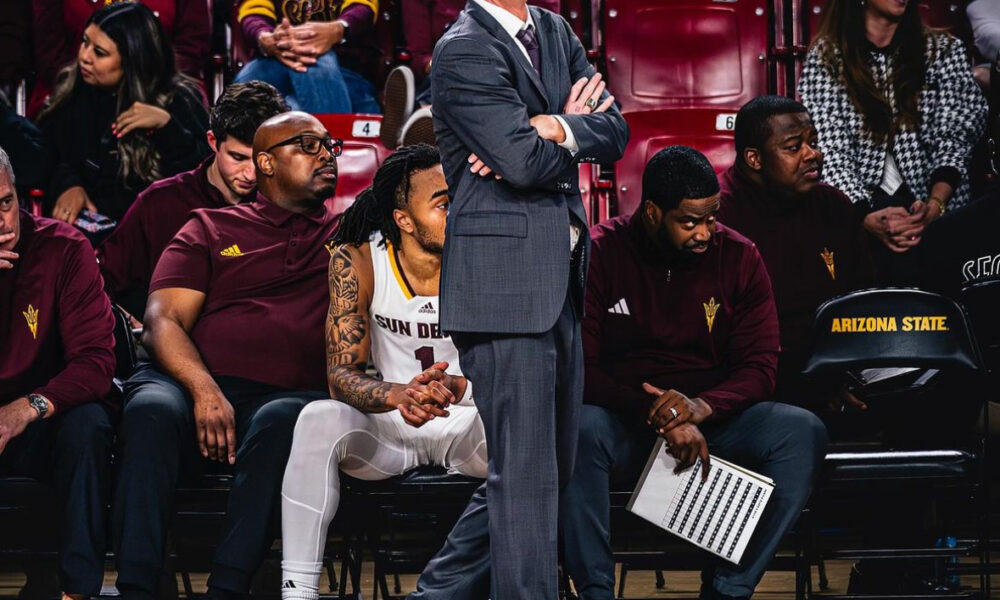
point(528, 390)
point(783, 442)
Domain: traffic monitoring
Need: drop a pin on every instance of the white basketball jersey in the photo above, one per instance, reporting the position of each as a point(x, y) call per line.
point(405, 335)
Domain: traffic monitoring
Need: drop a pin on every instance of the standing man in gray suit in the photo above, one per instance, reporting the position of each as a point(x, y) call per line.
point(516, 107)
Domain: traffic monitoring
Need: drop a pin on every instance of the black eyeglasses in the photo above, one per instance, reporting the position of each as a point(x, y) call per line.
point(310, 144)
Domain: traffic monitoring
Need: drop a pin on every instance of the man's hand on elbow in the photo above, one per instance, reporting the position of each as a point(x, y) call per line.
point(480, 168)
point(585, 97)
point(548, 128)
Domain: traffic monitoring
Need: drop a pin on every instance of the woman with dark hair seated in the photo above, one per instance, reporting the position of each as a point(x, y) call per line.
point(55, 28)
point(898, 113)
point(121, 116)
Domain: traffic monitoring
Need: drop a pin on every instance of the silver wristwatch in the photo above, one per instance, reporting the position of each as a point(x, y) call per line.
point(39, 403)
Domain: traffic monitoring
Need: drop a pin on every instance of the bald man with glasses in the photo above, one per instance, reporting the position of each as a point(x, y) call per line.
point(234, 325)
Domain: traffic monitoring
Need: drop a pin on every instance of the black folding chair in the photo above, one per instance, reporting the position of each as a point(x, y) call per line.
point(125, 351)
point(981, 300)
point(901, 328)
point(403, 521)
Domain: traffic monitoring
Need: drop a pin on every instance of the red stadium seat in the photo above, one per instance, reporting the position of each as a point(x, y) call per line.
point(388, 33)
point(681, 69)
point(240, 50)
point(588, 179)
point(584, 17)
point(685, 52)
point(573, 12)
point(707, 130)
point(363, 153)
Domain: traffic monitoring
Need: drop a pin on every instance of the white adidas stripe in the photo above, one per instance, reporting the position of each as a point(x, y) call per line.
point(620, 308)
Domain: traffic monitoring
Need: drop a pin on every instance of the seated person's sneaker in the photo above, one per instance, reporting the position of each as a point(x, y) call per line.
point(397, 105)
point(419, 129)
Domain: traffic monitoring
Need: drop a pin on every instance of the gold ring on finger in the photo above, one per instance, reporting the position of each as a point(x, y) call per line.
point(591, 103)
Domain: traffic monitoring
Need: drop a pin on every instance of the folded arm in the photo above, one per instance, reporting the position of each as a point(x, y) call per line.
point(474, 95)
point(601, 136)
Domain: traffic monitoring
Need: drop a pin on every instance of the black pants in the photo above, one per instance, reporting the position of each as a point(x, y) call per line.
point(893, 269)
point(158, 436)
point(71, 452)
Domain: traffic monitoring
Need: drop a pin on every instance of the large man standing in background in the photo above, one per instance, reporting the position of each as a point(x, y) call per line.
point(516, 106)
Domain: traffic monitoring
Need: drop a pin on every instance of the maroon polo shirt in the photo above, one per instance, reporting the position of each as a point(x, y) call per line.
point(56, 327)
point(128, 256)
point(813, 247)
point(263, 270)
point(706, 328)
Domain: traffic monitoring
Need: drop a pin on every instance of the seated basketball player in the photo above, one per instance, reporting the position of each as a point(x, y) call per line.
point(384, 276)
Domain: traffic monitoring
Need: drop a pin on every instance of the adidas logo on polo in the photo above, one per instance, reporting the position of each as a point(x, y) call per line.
point(233, 250)
point(620, 308)
point(427, 309)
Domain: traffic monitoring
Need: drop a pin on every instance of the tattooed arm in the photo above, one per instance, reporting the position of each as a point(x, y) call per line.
point(348, 344)
point(348, 340)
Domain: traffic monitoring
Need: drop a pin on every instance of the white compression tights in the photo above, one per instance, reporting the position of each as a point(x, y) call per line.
point(330, 437)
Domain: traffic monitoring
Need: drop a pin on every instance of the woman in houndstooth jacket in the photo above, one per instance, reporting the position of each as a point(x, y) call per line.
point(898, 113)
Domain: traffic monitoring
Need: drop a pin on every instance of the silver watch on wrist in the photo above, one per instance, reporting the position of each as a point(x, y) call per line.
point(39, 403)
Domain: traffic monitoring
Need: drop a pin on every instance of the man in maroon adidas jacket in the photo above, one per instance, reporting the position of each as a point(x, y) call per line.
point(680, 340)
point(56, 364)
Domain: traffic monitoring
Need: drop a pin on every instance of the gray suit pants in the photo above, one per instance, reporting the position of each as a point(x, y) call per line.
point(528, 389)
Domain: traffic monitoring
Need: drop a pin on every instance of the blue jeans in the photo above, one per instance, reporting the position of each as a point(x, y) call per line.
point(324, 88)
point(783, 442)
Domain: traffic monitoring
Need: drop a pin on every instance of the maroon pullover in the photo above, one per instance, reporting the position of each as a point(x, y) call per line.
point(706, 327)
point(814, 249)
point(56, 328)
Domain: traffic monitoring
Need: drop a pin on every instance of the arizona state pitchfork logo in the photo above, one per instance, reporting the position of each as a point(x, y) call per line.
point(710, 309)
point(828, 260)
point(31, 316)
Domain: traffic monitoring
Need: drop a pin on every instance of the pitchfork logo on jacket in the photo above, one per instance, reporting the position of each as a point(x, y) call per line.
point(827, 256)
point(710, 309)
point(31, 316)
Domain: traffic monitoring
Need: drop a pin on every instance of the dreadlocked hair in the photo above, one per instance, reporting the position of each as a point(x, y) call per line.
point(372, 209)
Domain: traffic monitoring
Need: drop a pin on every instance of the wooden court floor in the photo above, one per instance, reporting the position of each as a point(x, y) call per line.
point(640, 584)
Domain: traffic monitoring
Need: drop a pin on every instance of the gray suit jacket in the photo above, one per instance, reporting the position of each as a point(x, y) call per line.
point(506, 263)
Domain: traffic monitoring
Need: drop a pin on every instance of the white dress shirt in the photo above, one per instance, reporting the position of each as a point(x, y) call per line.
point(892, 179)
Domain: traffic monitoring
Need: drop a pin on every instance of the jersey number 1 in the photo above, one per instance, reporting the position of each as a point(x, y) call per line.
point(425, 354)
